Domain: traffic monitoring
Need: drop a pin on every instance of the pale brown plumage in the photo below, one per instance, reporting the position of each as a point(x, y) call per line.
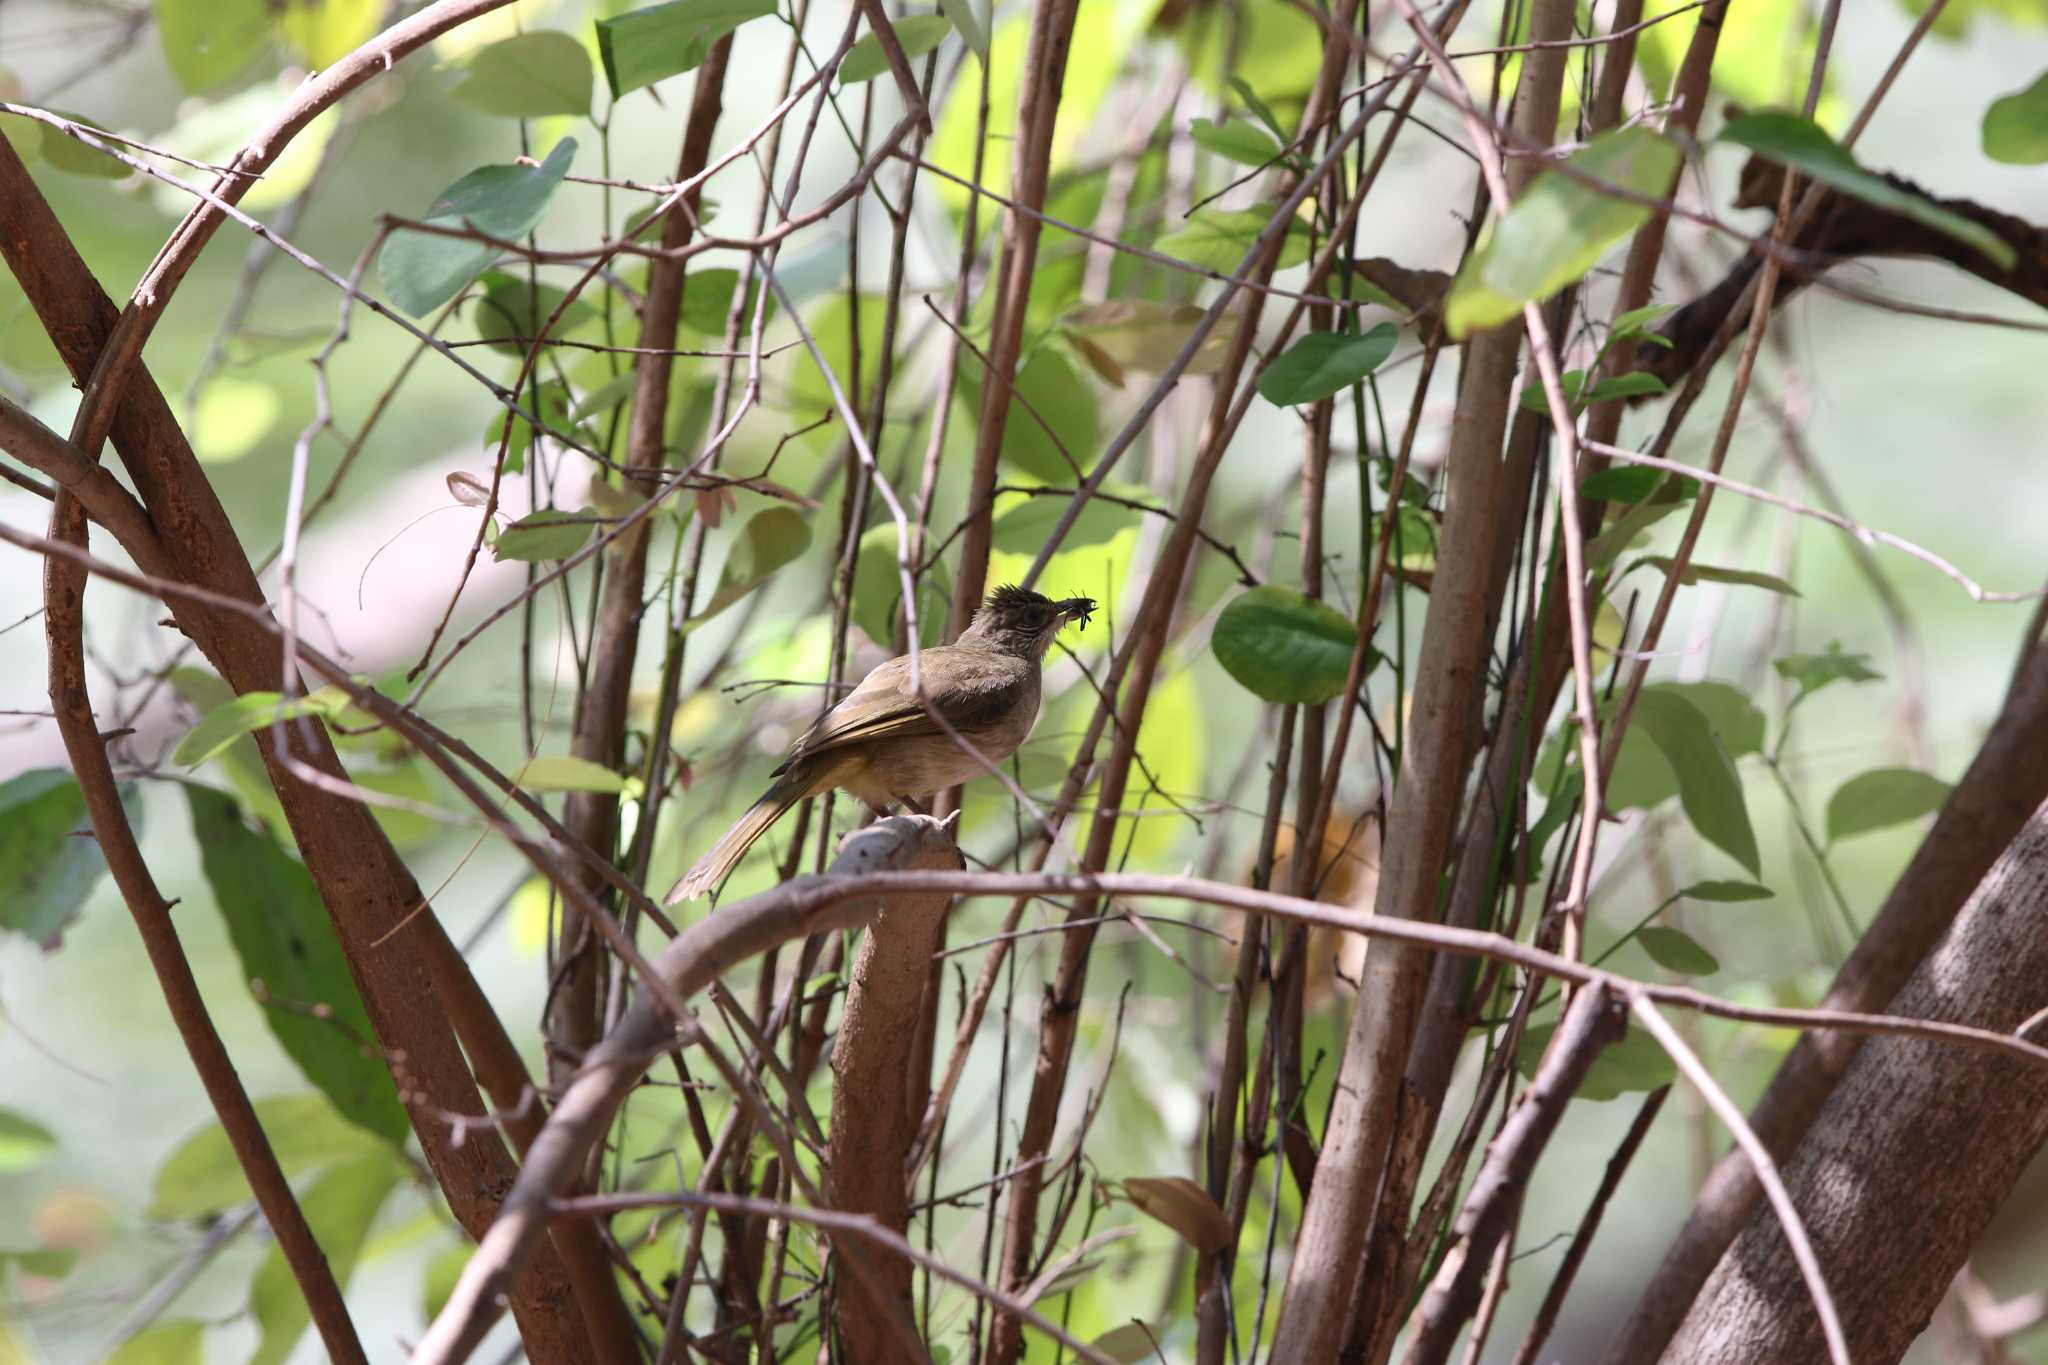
point(881, 742)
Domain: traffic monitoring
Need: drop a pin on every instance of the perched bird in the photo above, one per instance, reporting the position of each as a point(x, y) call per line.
point(882, 744)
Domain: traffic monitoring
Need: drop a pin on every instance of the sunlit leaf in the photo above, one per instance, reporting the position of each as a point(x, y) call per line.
point(1284, 646)
point(49, 859)
point(529, 75)
point(285, 940)
point(1804, 146)
point(201, 1177)
point(339, 1208)
point(1247, 144)
point(550, 533)
point(179, 1341)
point(248, 713)
point(23, 1141)
point(1218, 239)
point(424, 271)
point(660, 41)
point(1677, 951)
point(566, 773)
point(2016, 126)
point(1321, 365)
point(1560, 228)
point(1881, 798)
point(1184, 1206)
point(1024, 526)
point(768, 541)
point(325, 31)
point(207, 43)
point(917, 33)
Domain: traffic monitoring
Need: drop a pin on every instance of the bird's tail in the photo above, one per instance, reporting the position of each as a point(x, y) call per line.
point(724, 856)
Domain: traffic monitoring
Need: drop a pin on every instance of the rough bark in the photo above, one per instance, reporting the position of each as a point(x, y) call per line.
point(1912, 1156)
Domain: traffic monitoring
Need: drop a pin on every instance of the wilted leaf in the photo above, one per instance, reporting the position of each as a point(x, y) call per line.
point(529, 75)
point(284, 939)
point(1184, 1206)
point(1323, 364)
point(1285, 646)
point(917, 33)
point(1559, 228)
point(1804, 146)
point(423, 271)
point(1881, 798)
point(1677, 951)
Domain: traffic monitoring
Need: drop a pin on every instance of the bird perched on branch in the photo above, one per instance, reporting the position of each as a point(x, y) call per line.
point(883, 743)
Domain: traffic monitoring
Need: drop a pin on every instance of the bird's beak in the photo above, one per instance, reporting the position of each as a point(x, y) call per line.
point(1078, 609)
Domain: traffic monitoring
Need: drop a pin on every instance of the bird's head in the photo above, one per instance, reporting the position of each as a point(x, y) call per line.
point(1024, 622)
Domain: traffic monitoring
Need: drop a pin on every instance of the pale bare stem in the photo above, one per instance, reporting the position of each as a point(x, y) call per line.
point(1730, 1114)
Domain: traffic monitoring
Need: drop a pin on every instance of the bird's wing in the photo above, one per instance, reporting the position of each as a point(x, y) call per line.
point(883, 706)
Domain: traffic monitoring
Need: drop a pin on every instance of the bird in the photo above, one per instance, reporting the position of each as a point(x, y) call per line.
point(881, 742)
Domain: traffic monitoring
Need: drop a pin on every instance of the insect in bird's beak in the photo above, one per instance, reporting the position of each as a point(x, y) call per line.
point(1078, 609)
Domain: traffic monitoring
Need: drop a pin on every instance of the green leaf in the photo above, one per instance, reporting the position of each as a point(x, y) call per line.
point(529, 75)
point(1671, 493)
point(2016, 126)
point(1130, 1344)
point(1217, 239)
point(49, 859)
point(325, 31)
point(23, 1142)
point(1637, 1063)
point(1621, 483)
point(1708, 573)
point(248, 713)
point(1676, 951)
point(1323, 364)
point(1285, 646)
point(972, 25)
point(1634, 384)
point(1804, 146)
point(437, 1282)
point(68, 154)
point(179, 1341)
point(1247, 144)
point(564, 773)
point(878, 591)
point(1052, 389)
point(1560, 228)
point(421, 272)
point(1881, 798)
point(1709, 789)
point(202, 1177)
point(1814, 671)
point(768, 541)
point(339, 1208)
point(917, 33)
point(207, 43)
point(510, 313)
point(550, 533)
point(1262, 111)
point(1138, 334)
point(660, 41)
point(707, 298)
point(1725, 892)
point(549, 400)
point(1636, 321)
point(1025, 525)
point(49, 1263)
point(285, 940)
